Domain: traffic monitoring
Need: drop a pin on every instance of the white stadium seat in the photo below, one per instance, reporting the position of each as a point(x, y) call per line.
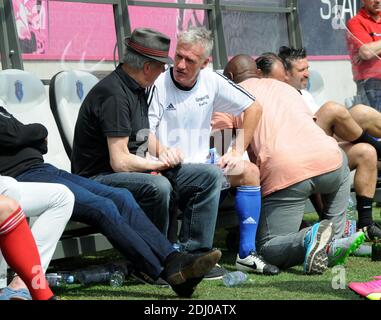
point(24, 96)
point(67, 91)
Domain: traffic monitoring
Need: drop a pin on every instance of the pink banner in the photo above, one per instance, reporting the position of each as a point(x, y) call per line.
point(54, 30)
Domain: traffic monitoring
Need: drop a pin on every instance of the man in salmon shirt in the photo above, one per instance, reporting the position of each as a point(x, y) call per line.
point(364, 46)
point(295, 159)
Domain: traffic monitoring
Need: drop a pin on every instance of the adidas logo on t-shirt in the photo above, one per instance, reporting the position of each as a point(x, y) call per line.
point(170, 107)
point(249, 220)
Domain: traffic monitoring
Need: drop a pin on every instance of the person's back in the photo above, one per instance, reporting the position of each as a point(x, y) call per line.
point(286, 118)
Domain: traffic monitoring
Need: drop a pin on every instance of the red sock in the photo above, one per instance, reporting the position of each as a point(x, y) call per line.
point(20, 251)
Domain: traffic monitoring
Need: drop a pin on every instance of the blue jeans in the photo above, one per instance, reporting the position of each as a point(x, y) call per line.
point(197, 188)
point(370, 92)
point(115, 213)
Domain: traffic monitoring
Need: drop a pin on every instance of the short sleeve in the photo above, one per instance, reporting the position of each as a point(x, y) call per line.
point(230, 97)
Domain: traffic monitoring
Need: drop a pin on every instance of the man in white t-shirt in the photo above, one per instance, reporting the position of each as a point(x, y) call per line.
point(359, 146)
point(181, 106)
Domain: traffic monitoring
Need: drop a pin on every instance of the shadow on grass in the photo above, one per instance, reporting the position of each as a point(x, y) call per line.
point(298, 289)
point(305, 289)
point(122, 293)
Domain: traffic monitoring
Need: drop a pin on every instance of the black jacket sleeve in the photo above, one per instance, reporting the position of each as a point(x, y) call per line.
point(15, 135)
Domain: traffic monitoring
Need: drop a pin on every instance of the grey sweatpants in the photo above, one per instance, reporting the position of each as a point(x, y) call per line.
point(279, 240)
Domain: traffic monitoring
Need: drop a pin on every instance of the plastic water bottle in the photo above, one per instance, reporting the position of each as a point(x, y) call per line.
point(59, 279)
point(350, 224)
point(94, 275)
point(213, 158)
point(105, 274)
point(176, 246)
point(234, 278)
point(117, 279)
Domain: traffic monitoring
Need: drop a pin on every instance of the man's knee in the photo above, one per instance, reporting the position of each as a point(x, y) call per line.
point(250, 175)
point(9, 187)
point(363, 154)
point(7, 207)
point(64, 196)
point(335, 111)
point(367, 117)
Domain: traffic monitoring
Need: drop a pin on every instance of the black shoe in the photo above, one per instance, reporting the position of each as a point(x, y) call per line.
point(186, 289)
point(216, 273)
point(255, 263)
point(372, 232)
point(146, 279)
point(184, 271)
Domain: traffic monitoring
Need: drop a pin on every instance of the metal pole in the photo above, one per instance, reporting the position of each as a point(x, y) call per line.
point(14, 51)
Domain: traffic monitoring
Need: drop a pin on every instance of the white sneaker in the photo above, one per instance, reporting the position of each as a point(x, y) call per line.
point(255, 263)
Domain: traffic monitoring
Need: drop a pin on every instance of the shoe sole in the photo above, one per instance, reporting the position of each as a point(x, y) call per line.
point(352, 248)
point(201, 266)
point(323, 237)
point(320, 263)
point(374, 296)
point(213, 278)
point(370, 296)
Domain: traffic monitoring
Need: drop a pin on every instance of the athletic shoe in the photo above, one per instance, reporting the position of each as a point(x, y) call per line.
point(8, 293)
point(316, 240)
point(255, 263)
point(216, 273)
point(372, 232)
point(339, 250)
point(374, 296)
point(370, 290)
point(184, 271)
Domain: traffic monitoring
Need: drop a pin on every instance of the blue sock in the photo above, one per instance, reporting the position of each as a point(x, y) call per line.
point(248, 207)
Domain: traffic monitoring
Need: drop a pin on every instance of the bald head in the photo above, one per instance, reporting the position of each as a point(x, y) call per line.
point(240, 68)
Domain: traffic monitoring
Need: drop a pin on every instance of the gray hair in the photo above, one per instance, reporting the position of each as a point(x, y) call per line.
point(197, 35)
point(135, 60)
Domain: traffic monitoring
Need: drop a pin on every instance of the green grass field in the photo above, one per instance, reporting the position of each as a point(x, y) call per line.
point(289, 285)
